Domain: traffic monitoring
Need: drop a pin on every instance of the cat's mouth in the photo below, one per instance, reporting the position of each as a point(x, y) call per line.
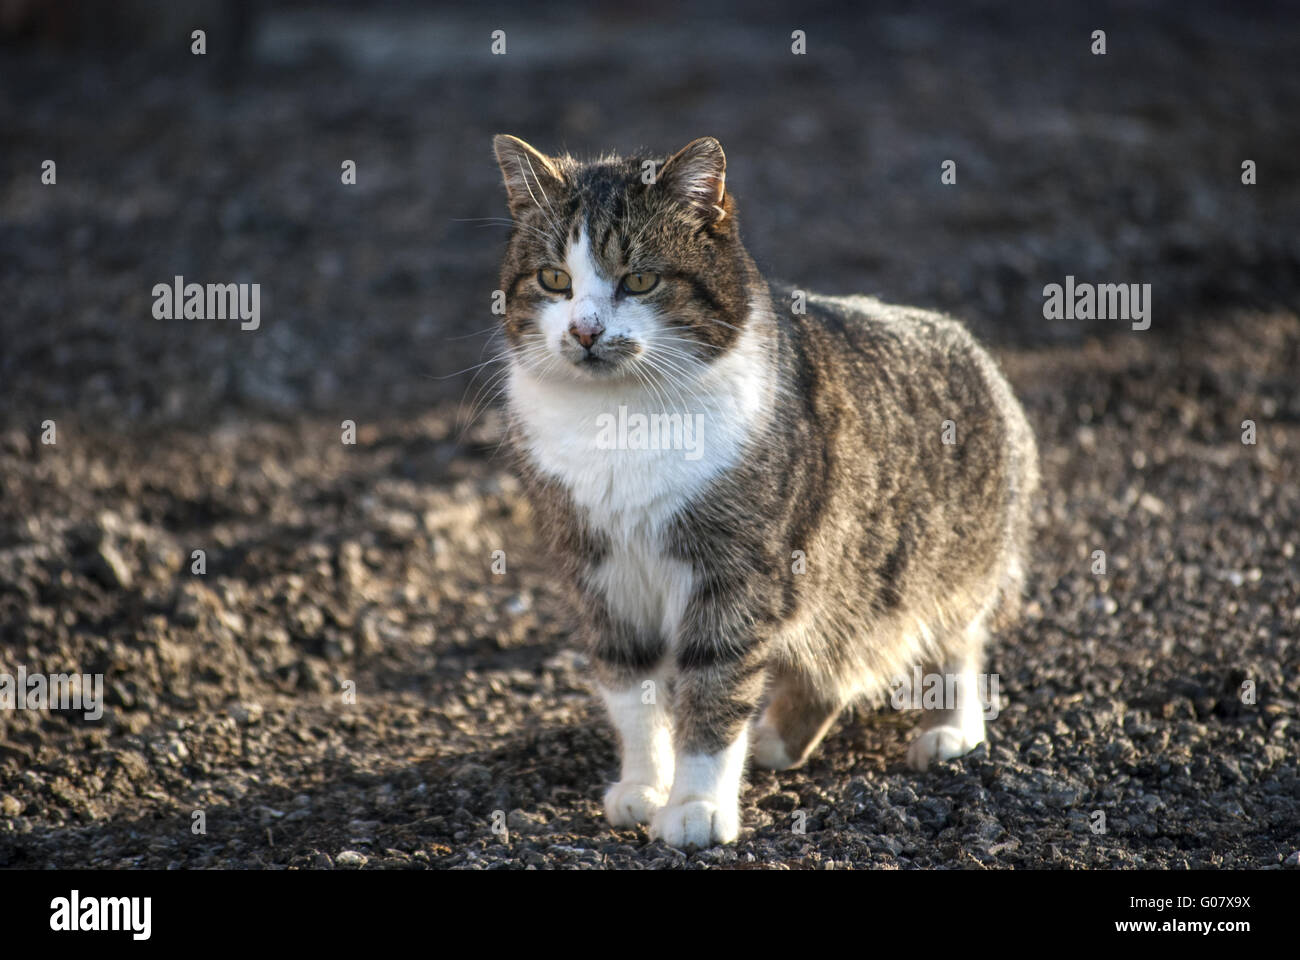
point(606, 359)
point(598, 366)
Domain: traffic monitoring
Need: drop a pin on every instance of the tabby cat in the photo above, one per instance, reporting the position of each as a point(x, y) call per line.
point(766, 504)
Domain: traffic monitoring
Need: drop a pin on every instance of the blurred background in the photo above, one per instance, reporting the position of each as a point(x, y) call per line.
point(370, 564)
point(1117, 168)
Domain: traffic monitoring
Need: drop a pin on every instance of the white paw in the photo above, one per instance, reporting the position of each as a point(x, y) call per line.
point(627, 804)
point(941, 743)
point(696, 823)
point(769, 749)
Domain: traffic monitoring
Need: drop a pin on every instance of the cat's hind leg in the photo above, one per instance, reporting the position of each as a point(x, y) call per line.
point(956, 725)
point(796, 719)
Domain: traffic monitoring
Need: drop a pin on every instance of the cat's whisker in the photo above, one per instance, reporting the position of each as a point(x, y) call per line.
point(665, 373)
point(774, 385)
point(460, 373)
point(481, 403)
point(496, 377)
point(506, 222)
point(529, 359)
point(651, 387)
point(721, 323)
point(531, 350)
point(495, 328)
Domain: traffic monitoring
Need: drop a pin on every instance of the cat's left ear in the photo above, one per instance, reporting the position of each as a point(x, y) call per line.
point(697, 176)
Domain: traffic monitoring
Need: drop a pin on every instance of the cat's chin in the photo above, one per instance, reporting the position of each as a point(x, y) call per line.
point(598, 369)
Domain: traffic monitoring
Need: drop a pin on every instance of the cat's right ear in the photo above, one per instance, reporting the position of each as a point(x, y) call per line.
point(531, 177)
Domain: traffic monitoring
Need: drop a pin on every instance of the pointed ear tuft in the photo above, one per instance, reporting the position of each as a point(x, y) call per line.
point(530, 176)
point(697, 176)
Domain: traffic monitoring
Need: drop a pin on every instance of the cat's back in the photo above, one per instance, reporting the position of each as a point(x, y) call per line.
point(863, 328)
point(912, 361)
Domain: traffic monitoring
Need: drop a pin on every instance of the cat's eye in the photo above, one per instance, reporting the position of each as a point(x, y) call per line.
point(640, 282)
point(556, 281)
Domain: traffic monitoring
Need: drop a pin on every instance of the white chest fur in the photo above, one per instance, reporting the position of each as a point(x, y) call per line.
point(631, 493)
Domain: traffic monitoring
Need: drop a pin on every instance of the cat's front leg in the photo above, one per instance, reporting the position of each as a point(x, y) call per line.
point(639, 713)
point(631, 676)
point(717, 689)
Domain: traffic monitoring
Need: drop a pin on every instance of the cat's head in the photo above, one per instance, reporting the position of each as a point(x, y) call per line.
point(622, 267)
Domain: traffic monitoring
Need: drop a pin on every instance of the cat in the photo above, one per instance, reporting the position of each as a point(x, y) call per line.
point(856, 501)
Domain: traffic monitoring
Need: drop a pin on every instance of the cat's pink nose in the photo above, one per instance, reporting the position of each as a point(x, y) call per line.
point(586, 331)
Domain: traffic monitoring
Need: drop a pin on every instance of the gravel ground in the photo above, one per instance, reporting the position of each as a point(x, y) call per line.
point(363, 573)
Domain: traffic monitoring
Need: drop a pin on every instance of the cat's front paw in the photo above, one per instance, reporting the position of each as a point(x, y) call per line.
point(696, 823)
point(941, 743)
point(627, 803)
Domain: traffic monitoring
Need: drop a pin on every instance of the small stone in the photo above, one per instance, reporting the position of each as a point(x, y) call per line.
point(472, 775)
point(308, 621)
point(784, 802)
point(351, 859)
point(1039, 748)
point(311, 676)
point(520, 822)
point(1104, 604)
point(10, 806)
point(192, 601)
point(247, 714)
point(111, 567)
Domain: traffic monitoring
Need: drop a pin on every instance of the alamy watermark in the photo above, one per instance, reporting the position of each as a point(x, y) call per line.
point(654, 431)
point(939, 691)
point(213, 301)
point(54, 691)
point(1100, 301)
point(75, 913)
